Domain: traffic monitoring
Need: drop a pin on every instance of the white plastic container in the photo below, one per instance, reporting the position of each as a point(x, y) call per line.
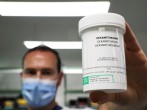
point(103, 55)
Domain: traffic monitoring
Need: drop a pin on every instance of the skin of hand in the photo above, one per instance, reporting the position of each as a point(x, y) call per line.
point(135, 98)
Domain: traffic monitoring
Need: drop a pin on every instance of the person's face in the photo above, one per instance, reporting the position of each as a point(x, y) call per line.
point(42, 65)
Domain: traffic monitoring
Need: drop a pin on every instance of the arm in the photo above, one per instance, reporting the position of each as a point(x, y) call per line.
point(135, 98)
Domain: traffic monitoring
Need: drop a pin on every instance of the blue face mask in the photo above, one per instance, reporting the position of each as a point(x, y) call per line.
point(37, 92)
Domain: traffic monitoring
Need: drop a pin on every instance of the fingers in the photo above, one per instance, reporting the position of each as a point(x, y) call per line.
point(122, 98)
point(133, 51)
point(102, 97)
point(130, 40)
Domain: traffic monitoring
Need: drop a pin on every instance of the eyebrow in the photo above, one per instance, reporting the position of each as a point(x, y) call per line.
point(47, 69)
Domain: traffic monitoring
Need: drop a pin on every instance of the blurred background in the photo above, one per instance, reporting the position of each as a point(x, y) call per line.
point(15, 30)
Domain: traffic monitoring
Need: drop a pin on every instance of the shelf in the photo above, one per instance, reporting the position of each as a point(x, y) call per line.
point(9, 91)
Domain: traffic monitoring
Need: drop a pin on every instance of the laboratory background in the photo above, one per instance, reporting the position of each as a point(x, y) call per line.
point(18, 31)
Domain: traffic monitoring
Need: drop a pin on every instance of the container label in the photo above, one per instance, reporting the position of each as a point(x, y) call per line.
point(107, 41)
point(98, 78)
point(103, 57)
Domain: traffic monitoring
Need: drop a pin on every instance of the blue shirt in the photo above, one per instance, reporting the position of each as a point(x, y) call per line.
point(57, 107)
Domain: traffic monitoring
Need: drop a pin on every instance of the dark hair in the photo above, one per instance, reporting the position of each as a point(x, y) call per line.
point(44, 49)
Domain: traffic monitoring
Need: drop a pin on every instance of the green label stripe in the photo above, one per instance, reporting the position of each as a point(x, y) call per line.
point(85, 80)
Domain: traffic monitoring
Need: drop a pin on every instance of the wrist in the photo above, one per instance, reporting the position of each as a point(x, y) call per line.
point(112, 106)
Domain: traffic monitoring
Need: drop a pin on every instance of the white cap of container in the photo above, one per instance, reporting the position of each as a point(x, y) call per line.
point(103, 19)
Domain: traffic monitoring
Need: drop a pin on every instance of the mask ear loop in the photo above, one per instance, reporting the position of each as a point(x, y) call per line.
point(60, 78)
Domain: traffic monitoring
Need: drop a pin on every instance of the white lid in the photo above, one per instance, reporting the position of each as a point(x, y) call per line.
point(105, 19)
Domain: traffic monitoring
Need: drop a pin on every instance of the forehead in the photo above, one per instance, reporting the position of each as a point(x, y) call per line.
point(40, 58)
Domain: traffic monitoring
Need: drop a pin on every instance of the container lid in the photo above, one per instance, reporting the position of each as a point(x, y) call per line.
point(105, 19)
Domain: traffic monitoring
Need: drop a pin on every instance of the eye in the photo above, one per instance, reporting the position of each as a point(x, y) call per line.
point(30, 72)
point(47, 72)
